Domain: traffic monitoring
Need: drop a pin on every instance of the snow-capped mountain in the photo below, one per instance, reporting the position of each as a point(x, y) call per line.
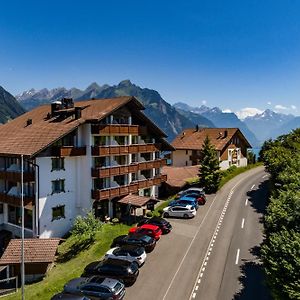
point(265, 124)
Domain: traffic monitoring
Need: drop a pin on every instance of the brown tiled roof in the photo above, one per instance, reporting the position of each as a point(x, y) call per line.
point(177, 176)
point(192, 139)
point(17, 138)
point(135, 200)
point(35, 250)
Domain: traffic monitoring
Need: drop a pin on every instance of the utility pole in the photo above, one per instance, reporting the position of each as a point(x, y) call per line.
point(22, 243)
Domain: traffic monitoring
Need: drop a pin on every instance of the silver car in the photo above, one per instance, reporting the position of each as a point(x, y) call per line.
point(192, 190)
point(128, 252)
point(96, 287)
point(180, 211)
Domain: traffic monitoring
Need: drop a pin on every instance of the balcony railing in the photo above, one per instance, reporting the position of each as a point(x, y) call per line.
point(16, 200)
point(68, 151)
point(121, 170)
point(15, 176)
point(123, 150)
point(133, 187)
point(115, 129)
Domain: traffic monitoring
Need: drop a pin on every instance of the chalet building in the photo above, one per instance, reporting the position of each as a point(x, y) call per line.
point(77, 156)
point(230, 143)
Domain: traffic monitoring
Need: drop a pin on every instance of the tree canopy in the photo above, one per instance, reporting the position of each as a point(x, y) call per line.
point(281, 248)
point(209, 172)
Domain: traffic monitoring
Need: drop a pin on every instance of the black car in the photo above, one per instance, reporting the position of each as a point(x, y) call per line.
point(122, 270)
point(163, 224)
point(135, 239)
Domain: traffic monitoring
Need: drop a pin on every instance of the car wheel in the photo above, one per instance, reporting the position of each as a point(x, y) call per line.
point(185, 216)
point(166, 215)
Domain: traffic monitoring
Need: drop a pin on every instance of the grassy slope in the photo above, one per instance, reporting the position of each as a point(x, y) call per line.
point(62, 272)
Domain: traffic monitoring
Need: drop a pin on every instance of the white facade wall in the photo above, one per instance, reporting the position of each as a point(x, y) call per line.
point(78, 185)
point(181, 158)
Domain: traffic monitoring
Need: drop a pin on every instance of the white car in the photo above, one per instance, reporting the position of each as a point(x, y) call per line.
point(179, 211)
point(128, 252)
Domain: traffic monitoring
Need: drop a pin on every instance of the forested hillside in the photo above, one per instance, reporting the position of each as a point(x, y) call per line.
point(281, 249)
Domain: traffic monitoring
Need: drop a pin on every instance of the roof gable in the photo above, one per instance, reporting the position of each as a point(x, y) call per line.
point(193, 139)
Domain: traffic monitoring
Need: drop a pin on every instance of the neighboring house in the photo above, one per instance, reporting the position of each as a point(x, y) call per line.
point(39, 255)
point(177, 178)
point(230, 143)
point(77, 156)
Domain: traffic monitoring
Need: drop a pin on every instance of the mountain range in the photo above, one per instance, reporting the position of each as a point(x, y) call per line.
point(10, 108)
point(171, 118)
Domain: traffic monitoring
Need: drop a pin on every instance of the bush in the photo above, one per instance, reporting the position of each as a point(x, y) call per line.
point(87, 225)
point(83, 234)
point(149, 214)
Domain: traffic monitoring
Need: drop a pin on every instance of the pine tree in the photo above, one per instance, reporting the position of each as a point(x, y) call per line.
point(209, 172)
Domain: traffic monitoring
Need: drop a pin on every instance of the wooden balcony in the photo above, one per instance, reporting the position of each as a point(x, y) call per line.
point(123, 150)
point(133, 187)
point(15, 176)
point(115, 129)
point(121, 170)
point(16, 200)
point(68, 151)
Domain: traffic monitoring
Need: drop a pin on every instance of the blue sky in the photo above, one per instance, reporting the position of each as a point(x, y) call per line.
point(231, 54)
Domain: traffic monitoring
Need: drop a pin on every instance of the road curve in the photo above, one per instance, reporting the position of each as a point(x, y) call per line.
point(205, 257)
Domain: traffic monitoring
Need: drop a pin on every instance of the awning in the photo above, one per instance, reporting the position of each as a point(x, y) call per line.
point(137, 201)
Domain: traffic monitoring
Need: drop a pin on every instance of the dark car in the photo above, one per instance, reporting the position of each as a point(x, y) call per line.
point(135, 239)
point(68, 296)
point(96, 287)
point(163, 224)
point(123, 270)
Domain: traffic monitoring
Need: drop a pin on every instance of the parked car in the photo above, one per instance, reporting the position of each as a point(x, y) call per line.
point(147, 229)
point(179, 211)
point(96, 287)
point(201, 199)
point(135, 239)
point(68, 296)
point(199, 191)
point(163, 224)
point(185, 200)
point(123, 270)
point(128, 252)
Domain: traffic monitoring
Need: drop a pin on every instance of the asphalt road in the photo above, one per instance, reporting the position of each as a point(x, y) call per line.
point(214, 255)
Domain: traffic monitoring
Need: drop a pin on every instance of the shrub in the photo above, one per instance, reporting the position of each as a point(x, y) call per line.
point(149, 214)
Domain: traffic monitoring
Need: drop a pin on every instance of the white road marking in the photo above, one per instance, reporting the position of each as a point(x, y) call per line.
point(210, 245)
point(237, 256)
point(243, 222)
point(196, 288)
point(246, 202)
point(188, 249)
point(252, 187)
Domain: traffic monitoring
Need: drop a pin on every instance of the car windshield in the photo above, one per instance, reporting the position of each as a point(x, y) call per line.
point(146, 238)
point(117, 287)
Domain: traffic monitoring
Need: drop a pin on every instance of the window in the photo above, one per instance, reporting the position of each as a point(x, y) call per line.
point(157, 154)
point(100, 140)
point(121, 140)
point(1, 208)
point(58, 212)
point(134, 139)
point(58, 186)
point(134, 158)
point(58, 163)
point(15, 216)
point(157, 171)
point(134, 176)
point(186, 152)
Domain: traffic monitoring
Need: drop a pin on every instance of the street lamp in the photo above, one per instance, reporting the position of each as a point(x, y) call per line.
point(22, 214)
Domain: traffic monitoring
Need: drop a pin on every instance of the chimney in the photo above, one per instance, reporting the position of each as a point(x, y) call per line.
point(28, 122)
point(225, 134)
point(77, 113)
point(197, 127)
point(220, 135)
point(55, 106)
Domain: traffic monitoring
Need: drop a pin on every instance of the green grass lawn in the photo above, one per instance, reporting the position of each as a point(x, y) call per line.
point(63, 272)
